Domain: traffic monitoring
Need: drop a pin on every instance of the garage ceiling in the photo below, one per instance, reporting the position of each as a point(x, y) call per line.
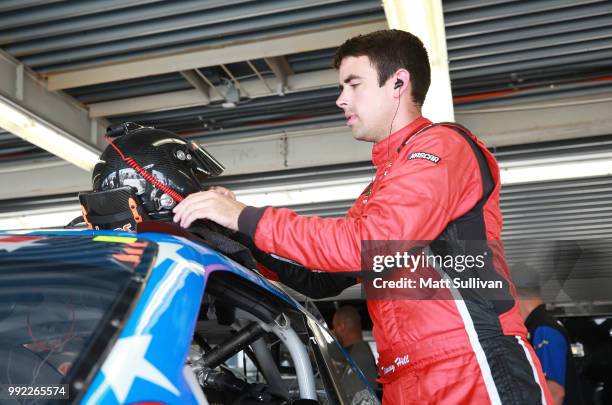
point(500, 53)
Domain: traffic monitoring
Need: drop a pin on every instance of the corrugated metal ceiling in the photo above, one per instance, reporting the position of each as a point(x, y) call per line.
point(515, 52)
point(500, 52)
point(15, 149)
point(48, 35)
point(492, 45)
point(159, 27)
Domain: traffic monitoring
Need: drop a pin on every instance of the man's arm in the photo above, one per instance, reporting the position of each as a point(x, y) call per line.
point(312, 284)
point(557, 391)
point(551, 348)
point(415, 201)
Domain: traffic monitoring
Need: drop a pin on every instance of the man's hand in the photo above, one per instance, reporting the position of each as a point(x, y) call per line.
point(223, 191)
point(213, 204)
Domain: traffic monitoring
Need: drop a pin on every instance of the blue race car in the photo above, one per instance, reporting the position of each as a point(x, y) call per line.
point(104, 317)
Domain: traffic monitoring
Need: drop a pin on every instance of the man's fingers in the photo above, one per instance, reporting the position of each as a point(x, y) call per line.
point(223, 191)
point(193, 199)
point(186, 205)
point(191, 216)
point(195, 206)
point(210, 205)
point(189, 219)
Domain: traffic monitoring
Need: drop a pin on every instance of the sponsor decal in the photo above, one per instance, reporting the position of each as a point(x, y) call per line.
point(127, 227)
point(114, 239)
point(425, 156)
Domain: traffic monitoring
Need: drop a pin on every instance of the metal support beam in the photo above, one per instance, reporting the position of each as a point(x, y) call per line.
point(568, 118)
point(194, 78)
point(425, 19)
point(289, 150)
point(190, 98)
point(501, 128)
point(35, 114)
point(298, 149)
point(281, 69)
point(156, 102)
point(301, 42)
point(259, 75)
point(209, 83)
point(42, 177)
point(19, 76)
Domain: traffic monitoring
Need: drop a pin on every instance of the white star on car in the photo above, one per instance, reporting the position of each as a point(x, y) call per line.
point(169, 251)
point(128, 355)
point(10, 243)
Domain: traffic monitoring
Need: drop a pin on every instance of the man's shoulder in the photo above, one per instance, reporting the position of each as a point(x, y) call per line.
point(438, 146)
point(444, 128)
point(540, 317)
point(361, 347)
point(549, 337)
point(441, 138)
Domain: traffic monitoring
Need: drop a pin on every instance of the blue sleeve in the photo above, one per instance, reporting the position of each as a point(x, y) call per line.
point(551, 347)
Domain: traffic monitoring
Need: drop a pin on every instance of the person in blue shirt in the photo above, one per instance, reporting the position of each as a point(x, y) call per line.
point(548, 337)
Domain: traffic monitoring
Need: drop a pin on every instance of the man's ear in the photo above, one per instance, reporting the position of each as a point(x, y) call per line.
point(337, 325)
point(344, 324)
point(403, 76)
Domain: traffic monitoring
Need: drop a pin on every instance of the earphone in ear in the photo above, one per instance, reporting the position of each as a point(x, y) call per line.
point(398, 83)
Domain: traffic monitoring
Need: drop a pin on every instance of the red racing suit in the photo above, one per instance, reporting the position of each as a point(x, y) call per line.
point(426, 178)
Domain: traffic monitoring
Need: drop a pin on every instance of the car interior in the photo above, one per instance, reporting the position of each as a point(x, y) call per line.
point(251, 347)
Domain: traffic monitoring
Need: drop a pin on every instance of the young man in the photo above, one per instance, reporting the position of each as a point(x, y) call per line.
point(432, 183)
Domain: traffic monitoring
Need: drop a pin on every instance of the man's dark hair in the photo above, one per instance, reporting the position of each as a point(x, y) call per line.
point(350, 315)
point(388, 51)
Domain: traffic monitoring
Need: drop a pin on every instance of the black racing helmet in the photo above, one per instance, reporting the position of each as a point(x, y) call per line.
point(160, 167)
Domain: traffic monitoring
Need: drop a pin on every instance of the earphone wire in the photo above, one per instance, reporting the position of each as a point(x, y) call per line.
point(388, 142)
point(399, 100)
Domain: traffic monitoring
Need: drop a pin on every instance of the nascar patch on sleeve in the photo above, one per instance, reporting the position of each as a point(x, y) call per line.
point(425, 156)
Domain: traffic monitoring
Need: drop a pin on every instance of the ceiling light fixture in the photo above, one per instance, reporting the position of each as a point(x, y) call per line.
point(45, 135)
point(529, 172)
